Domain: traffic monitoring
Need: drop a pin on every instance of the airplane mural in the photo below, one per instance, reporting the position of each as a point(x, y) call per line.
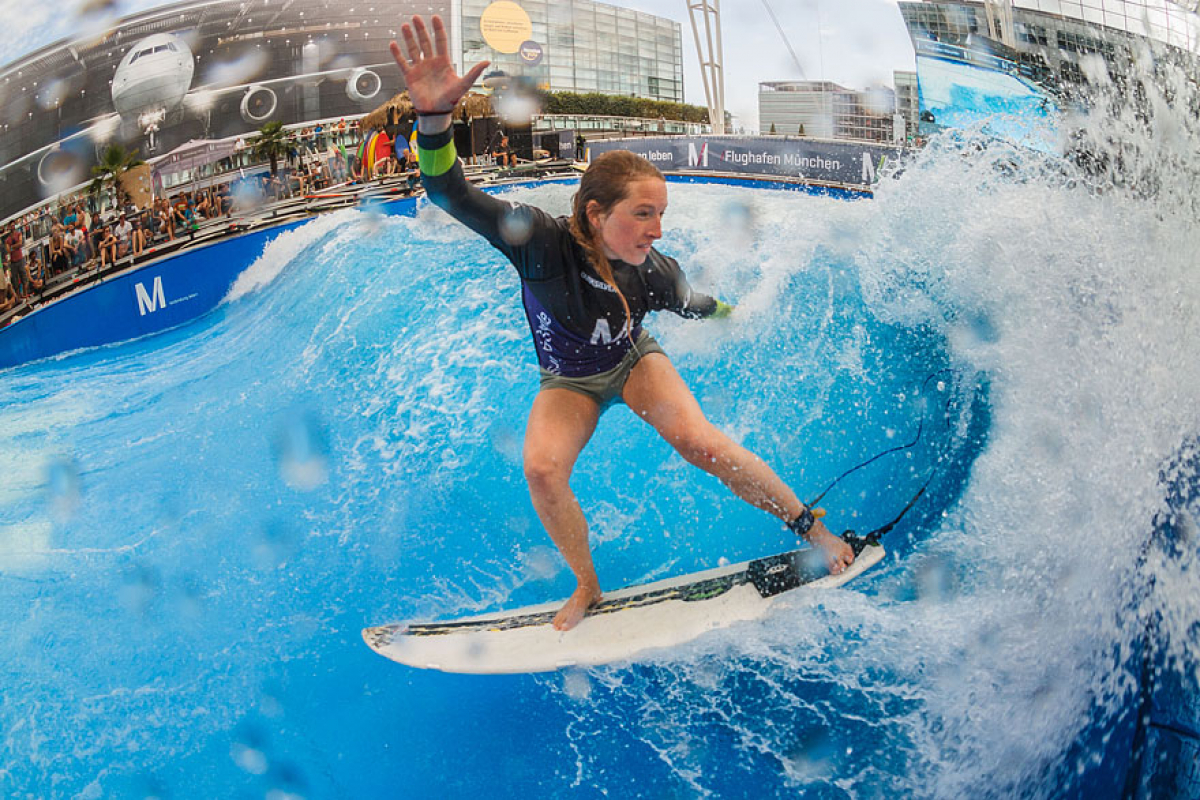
point(200, 70)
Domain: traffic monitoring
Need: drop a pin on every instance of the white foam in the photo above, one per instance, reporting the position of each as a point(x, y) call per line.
point(282, 250)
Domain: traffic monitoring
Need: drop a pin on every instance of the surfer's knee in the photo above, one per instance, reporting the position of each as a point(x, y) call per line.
point(546, 475)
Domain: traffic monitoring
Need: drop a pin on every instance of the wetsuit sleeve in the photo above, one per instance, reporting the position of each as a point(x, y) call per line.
point(669, 290)
point(517, 230)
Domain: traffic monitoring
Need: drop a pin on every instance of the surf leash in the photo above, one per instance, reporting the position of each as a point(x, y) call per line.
point(856, 542)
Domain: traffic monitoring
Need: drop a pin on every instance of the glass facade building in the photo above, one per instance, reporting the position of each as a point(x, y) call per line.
point(1054, 34)
point(587, 47)
point(825, 110)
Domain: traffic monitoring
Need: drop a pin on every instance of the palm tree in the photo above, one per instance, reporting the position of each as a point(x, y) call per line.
point(114, 163)
point(271, 143)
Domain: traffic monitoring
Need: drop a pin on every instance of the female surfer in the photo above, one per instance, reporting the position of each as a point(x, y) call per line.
point(587, 282)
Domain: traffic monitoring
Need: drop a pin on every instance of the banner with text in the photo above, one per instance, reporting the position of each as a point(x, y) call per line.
point(854, 164)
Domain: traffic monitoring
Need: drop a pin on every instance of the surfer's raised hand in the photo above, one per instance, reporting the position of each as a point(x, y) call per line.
point(433, 86)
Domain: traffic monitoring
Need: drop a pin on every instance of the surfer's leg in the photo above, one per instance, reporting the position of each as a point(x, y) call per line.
point(560, 424)
point(656, 393)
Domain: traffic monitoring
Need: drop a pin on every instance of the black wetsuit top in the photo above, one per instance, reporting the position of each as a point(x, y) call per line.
point(577, 320)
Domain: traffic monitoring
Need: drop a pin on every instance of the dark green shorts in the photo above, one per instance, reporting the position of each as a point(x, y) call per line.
point(605, 387)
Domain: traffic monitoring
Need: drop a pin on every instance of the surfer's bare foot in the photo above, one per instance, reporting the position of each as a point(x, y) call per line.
point(576, 607)
point(838, 554)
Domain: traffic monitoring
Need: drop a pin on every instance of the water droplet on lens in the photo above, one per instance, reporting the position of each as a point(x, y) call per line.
point(275, 546)
point(372, 215)
point(507, 441)
point(813, 756)
point(248, 751)
point(577, 684)
point(139, 589)
point(739, 223)
point(935, 580)
point(241, 69)
point(540, 563)
point(63, 488)
point(248, 195)
point(516, 226)
point(302, 452)
point(515, 107)
point(186, 599)
point(249, 759)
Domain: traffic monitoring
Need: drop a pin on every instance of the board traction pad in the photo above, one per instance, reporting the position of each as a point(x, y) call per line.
point(770, 575)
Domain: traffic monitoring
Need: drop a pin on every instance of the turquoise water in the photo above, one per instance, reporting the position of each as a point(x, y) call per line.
point(197, 525)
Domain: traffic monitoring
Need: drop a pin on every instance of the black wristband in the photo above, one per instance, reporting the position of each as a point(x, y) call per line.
point(802, 524)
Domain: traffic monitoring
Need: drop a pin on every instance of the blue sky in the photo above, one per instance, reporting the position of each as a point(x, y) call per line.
point(858, 43)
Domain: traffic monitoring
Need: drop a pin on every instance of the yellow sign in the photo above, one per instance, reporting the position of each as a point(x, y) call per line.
point(505, 26)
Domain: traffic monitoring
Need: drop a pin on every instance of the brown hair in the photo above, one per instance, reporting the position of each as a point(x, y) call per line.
point(607, 182)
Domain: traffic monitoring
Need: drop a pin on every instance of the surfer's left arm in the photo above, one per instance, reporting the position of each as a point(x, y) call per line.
point(669, 290)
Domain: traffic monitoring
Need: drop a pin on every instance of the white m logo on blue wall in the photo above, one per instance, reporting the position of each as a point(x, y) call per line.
point(149, 303)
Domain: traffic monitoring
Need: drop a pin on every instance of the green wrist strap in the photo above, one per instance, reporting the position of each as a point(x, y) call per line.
point(437, 162)
point(723, 310)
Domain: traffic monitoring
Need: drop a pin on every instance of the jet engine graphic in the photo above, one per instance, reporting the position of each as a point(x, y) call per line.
point(258, 104)
point(363, 84)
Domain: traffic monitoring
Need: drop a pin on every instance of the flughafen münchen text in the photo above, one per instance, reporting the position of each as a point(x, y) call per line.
point(760, 157)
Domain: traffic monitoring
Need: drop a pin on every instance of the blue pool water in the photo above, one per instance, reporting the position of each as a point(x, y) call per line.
point(197, 525)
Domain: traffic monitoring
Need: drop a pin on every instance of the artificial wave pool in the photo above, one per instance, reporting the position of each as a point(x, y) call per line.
point(197, 524)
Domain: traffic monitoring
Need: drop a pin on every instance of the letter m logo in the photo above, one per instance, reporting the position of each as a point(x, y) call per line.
point(869, 173)
point(697, 159)
point(149, 303)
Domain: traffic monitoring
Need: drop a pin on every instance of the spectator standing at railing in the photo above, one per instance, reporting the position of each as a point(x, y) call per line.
point(14, 247)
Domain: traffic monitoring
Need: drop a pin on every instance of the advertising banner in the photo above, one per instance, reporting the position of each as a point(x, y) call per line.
point(853, 164)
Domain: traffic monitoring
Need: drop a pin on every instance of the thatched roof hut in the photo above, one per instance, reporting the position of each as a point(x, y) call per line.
point(472, 105)
point(379, 117)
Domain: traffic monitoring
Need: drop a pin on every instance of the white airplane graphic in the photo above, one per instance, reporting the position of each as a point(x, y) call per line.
point(154, 80)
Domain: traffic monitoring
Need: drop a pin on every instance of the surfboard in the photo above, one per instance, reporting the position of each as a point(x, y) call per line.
point(625, 624)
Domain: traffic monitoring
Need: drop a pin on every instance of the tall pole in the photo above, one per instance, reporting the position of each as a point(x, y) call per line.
point(708, 49)
point(1000, 21)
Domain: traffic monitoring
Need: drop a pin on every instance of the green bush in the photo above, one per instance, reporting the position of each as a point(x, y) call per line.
point(609, 105)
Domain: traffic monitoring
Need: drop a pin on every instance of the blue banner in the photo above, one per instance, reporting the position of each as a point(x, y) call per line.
point(850, 164)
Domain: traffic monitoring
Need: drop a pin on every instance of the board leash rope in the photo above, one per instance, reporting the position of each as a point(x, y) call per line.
point(858, 543)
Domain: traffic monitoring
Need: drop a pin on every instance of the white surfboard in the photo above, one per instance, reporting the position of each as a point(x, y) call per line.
point(623, 625)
